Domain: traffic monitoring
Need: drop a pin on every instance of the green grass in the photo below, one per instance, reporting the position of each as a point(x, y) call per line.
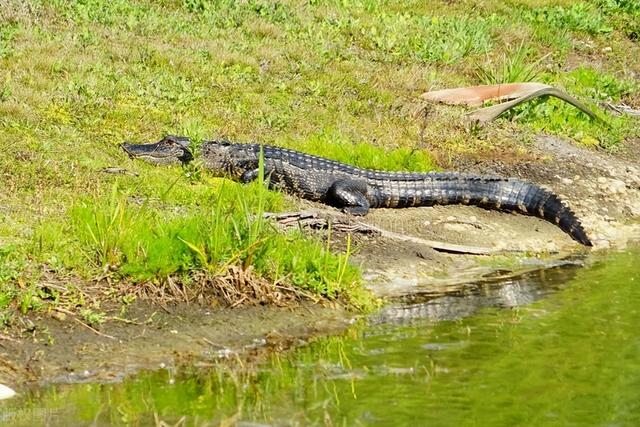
point(332, 145)
point(556, 117)
point(335, 78)
point(578, 17)
point(513, 66)
point(142, 243)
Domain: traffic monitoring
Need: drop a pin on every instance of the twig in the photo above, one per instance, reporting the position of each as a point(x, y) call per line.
point(622, 109)
point(64, 310)
point(123, 320)
point(7, 338)
point(439, 246)
point(93, 330)
point(120, 171)
point(212, 344)
point(314, 220)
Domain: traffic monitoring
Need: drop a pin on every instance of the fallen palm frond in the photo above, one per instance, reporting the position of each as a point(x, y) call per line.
point(514, 93)
point(475, 96)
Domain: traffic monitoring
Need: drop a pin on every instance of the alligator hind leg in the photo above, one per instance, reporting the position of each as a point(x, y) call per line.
point(350, 195)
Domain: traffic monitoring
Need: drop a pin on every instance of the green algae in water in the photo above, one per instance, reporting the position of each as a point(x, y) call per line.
point(571, 358)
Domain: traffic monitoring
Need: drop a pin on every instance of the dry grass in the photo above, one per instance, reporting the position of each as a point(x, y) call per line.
point(19, 12)
point(237, 287)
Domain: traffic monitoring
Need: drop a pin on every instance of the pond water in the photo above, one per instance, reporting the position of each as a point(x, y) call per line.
point(554, 347)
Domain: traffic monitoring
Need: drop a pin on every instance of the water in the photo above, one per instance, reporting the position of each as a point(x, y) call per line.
point(554, 348)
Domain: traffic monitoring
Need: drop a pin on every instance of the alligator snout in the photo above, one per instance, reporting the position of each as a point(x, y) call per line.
point(166, 151)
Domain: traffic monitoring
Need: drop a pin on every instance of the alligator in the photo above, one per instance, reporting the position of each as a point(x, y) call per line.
point(356, 190)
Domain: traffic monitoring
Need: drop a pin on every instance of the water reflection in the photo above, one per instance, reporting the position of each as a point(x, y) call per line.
point(512, 292)
point(493, 353)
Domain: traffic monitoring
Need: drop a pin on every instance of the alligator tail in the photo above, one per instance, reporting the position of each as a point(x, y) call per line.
point(511, 195)
point(546, 205)
point(531, 199)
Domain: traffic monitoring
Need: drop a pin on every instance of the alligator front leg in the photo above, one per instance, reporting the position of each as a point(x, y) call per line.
point(249, 175)
point(252, 174)
point(350, 195)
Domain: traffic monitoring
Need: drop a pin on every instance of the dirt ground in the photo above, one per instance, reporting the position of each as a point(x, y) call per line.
point(603, 189)
point(154, 339)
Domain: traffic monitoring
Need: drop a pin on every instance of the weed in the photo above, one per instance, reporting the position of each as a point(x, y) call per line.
point(7, 33)
point(599, 85)
point(232, 14)
point(331, 145)
point(92, 317)
point(581, 17)
point(128, 299)
point(631, 7)
point(105, 230)
point(510, 67)
point(50, 340)
point(30, 300)
point(405, 37)
point(11, 263)
point(6, 296)
point(6, 317)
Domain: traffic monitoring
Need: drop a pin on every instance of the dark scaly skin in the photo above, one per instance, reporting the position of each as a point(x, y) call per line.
point(357, 190)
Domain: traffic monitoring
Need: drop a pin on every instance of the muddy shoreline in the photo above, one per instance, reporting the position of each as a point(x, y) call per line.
point(62, 351)
point(602, 188)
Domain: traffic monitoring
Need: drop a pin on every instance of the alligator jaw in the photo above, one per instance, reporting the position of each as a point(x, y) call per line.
point(169, 150)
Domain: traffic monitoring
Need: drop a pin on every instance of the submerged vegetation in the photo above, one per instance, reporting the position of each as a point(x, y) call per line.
point(335, 78)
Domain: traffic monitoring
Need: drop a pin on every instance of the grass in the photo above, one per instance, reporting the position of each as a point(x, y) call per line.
point(145, 244)
point(580, 17)
point(335, 78)
point(513, 66)
point(559, 118)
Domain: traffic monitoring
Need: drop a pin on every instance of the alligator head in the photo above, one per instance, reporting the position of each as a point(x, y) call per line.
point(217, 159)
point(170, 149)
